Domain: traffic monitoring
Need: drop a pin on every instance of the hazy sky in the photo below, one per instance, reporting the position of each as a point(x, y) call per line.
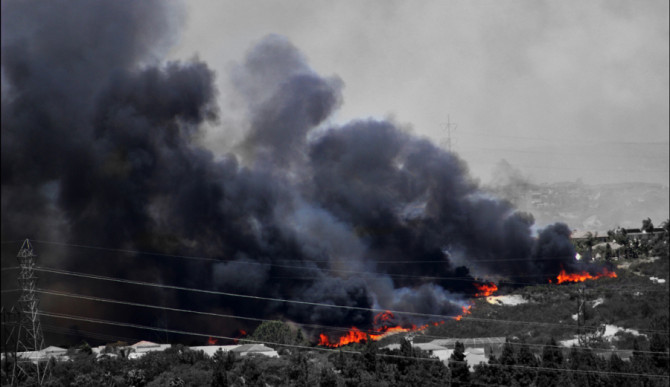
point(560, 89)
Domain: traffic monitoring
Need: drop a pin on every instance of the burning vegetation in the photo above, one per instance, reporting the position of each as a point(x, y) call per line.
point(382, 329)
point(582, 276)
point(302, 208)
point(485, 290)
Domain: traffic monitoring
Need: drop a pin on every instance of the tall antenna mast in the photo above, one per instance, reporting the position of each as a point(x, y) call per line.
point(29, 337)
point(448, 126)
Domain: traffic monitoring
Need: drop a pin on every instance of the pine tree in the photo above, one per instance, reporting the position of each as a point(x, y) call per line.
point(460, 373)
point(552, 357)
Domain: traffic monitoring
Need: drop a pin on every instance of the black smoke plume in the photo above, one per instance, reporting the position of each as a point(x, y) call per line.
point(102, 146)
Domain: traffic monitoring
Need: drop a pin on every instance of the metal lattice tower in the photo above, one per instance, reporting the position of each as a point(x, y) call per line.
point(29, 333)
point(31, 338)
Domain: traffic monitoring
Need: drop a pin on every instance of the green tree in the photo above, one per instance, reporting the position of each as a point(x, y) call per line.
point(328, 378)
point(249, 370)
point(621, 238)
point(506, 361)
point(274, 332)
point(508, 356)
point(223, 362)
point(219, 378)
point(590, 242)
point(525, 358)
point(608, 252)
point(666, 226)
point(298, 371)
point(136, 378)
point(616, 365)
point(552, 357)
point(300, 338)
point(583, 359)
point(460, 373)
point(658, 345)
point(486, 375)
point(647, 225)
point(370, 357)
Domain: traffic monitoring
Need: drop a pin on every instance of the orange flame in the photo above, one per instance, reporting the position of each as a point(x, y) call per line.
point(212, 341)
point(466, 311)
point(485, 290)
point(355, 335)
point(386, 316)
point(581, 277)
point(241, 333)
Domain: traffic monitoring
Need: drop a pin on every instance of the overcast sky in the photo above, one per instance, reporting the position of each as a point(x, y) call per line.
point(562, 90)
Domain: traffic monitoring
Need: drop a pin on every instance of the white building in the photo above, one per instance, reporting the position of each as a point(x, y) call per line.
point(255, 349)
point(477, 350)
point(45, 354)
point(440, 352)
point(143, 347)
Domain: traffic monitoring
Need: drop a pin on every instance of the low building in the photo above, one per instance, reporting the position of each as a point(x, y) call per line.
point(57, 353)
point(475, 356)
point(438, 351)
point(477, 350)
point(491, 345)
point(134, 351)
point(639, 234)
point(143, 347)
point(255, 349)
point(210, 350)
point(597, 236)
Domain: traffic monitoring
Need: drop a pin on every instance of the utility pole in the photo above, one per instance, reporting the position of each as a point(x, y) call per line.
point(29, 336)
point(581, 318)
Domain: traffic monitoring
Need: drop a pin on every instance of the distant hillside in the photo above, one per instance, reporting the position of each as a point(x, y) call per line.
point(588, 207)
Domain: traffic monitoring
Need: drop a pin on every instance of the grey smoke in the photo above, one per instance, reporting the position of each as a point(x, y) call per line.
point(100, 137)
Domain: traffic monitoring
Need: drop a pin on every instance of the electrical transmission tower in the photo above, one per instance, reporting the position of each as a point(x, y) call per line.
point(29, 335)
point(448, 126)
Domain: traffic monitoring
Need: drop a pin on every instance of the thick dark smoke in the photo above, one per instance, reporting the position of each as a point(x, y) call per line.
point(100, 146)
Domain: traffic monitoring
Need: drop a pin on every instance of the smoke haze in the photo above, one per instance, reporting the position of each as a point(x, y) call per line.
point(101, 146)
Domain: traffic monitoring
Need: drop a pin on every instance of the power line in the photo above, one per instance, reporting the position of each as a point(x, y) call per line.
point(359, 273)
point(220, 260)
point(442, 317)
point(214, 336)
point(136, 326)
point(577, 371)
point(244, 262)
point(79, 332)
point(215, 292)
point(585, 348)
point(172, 309)
point(369, 273)
point(633, 288)
point(331, 328)
point(4, 242)
point(392, 275)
